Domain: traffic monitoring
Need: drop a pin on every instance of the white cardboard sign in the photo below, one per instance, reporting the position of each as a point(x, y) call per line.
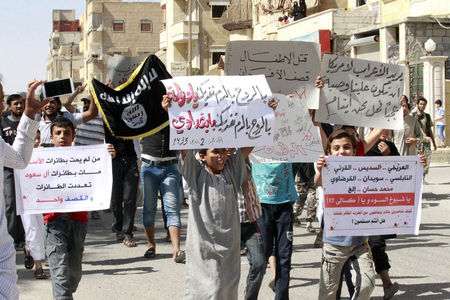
point(65, 179)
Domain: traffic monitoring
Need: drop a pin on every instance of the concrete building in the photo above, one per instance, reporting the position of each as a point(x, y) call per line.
point(208, 37)
point(64, 56)
point(114, 27)
point(393, 31)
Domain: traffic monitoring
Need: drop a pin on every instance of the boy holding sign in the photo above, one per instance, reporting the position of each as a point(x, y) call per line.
point(338, 249)
point(213, 239)
point(65, 232)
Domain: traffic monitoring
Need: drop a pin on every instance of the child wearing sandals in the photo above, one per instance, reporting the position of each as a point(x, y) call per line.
point(34, 248)
point(338, 249)
point(213, 237)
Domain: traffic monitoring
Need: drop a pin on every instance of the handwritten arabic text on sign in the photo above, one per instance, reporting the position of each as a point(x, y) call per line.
point(289, 67)
point(372, 195)
point(361, 93)
point(296, 139)
point(65, 179)
point(217, 112)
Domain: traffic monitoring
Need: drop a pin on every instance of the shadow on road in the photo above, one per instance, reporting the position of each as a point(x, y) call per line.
point(123, 271)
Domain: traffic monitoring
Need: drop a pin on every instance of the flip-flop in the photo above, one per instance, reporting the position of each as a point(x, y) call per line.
point(180, 257)
point(28, 260)
point(150, 253)
point(128, 241)
point(40, 274)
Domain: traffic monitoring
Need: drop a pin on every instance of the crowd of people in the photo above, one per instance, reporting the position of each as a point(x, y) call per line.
point(229, 204)
point(297, 12)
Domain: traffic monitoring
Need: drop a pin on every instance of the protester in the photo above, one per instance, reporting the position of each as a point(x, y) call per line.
point(338, 249)
point(65, 232)
point(9, 131)
point(53, 109)
point(406, 139)
point(250, 211)
point(34, 237)
point(306, 190)
point(125, 185)
point(378, 242)
point(159, 173)
point(88, 133)
point(16, 156)
point(426, 124)
point(276, 191)
point(212, 245)
point(440, 122)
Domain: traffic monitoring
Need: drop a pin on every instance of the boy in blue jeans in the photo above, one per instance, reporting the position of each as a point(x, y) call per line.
point(276, 192)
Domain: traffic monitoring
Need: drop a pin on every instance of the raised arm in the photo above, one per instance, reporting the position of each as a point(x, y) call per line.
point(91, 113)
point(68, 102)
point(18, 155)
point(371, 139)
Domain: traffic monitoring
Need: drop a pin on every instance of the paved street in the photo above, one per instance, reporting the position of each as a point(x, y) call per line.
point(420, 264)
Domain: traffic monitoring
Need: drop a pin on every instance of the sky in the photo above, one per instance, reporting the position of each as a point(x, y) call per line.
point(25, 28)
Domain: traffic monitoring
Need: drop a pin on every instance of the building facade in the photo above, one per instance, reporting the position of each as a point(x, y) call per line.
point(393, 31)
point(111, 27)
point(203, 31)
point(64, 57)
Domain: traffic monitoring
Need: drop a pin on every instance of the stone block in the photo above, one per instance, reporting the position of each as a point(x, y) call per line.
point(439, 32)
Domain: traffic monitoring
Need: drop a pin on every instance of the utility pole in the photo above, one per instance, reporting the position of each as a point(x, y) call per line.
point(71, 58)
point(190, 38)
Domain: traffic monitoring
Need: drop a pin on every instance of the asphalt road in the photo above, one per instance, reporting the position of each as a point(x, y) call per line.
point(420, 264)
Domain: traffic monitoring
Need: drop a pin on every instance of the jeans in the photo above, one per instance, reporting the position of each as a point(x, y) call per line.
point(255, 255)
point(333, 261)
point(64, 243)
point(276, 225)
point(166, 180)
point(15, 227)
point(124, 190)
point(440, 130)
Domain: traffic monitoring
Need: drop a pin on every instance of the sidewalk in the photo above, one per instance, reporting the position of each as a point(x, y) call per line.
point(113, 271)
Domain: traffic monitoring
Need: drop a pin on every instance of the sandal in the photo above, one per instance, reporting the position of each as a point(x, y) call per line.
point(28, 260)
point(180, 257)
point(128, 241)
point(150, 253)
point(119, 235)
point(40, 274)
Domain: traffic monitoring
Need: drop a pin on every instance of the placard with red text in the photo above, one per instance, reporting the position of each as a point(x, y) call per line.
point(372, 195)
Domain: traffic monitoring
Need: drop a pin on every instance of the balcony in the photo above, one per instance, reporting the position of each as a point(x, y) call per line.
point(341, 22)
point(95, 37)
point(163, 40)
point(179, 32)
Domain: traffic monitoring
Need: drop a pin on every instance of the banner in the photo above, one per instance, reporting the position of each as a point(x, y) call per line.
point(296, 139)
point(133, 110)
point(120, 67)
point(219, 111)
point(361, 93)
point(372, 195)
point(289, 67)
point(65, 179)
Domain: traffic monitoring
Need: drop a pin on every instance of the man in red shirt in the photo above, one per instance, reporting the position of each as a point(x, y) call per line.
point(65, 232)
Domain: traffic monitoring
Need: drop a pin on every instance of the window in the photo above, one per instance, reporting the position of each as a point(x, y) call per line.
point(218, 10)
point(146, 26)
point(216, 57)
point(118, 26)
point(416, 81)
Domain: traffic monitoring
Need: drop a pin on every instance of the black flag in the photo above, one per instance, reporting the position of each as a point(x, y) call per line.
point(133, 110)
